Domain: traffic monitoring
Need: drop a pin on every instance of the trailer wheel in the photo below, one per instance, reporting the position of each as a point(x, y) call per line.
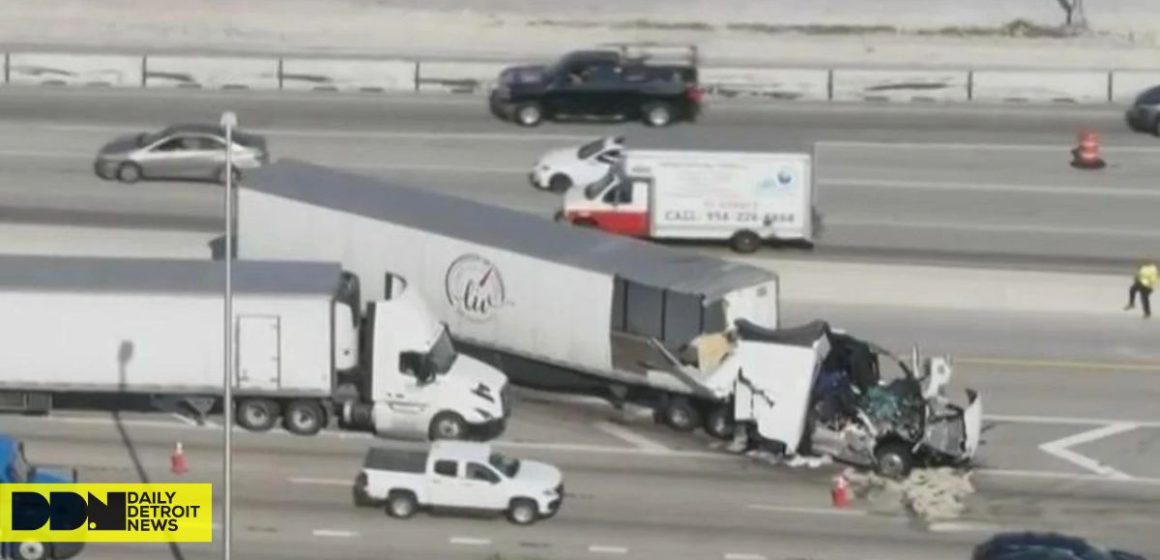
point(745, 241)
point(257, 415)
point(719, 422)
point(523, 511)
point(304, 417)
point(401, 504)
point(680, 414)
point(30, 551)
point(447, 425)
point(893, 459)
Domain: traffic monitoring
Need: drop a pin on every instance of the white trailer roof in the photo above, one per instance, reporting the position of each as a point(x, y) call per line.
point(520, 232)
point(93, 274)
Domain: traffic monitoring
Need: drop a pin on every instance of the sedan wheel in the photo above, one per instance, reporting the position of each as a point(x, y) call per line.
point(129, 173)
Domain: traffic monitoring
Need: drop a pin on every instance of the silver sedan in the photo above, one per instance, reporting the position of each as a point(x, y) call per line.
point(186, 151)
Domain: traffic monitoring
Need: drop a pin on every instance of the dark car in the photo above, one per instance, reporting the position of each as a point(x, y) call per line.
point(1144, 115)
point(605, 83)
point(1045, 546)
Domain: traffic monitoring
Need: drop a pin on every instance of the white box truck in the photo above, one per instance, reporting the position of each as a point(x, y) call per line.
point(555, 308)
point(745, 198)
point(304, 353)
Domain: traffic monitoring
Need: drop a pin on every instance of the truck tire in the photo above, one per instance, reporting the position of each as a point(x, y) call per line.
point(257, 415)
point(304, 417)
point(30, 551)
point(401, 504)
point(893, 459)
point(745, 242)
point(719, 422)
point(529, 114)
point(523, 511)
point(447, 425)
point(679, 414)
point(657, 114)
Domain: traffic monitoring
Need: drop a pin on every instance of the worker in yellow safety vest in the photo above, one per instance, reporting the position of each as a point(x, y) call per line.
point(1146, 279)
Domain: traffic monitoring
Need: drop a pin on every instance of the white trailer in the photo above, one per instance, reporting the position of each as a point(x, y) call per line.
point(744, 198)
point(554, 307)
point(154, 328)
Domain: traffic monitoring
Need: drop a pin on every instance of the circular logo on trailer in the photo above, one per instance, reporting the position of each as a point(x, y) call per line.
point(474, 287)
point(779, 182)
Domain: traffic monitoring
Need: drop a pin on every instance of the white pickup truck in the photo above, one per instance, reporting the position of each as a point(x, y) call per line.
point(458, 475)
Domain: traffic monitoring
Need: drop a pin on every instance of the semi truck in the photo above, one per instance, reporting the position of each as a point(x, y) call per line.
point(744, 198)
point(18, 470)
point(555, 308)
point(306, 351)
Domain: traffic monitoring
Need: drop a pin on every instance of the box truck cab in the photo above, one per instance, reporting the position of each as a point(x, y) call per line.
point(17, 470)
point(418, 382)
point(745, 198)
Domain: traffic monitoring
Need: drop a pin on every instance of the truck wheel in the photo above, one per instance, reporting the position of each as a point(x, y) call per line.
point(559, 183)
point(529, 114)
point(893, 460)
point(401, 505)
point(304, 418)
point(679, 414)
point(523, 511)
point(719, 422)
point(657, 114)
point(447, 425)
point(745, 242)
point(129, 172)
point(257, 415)
point(30, 551)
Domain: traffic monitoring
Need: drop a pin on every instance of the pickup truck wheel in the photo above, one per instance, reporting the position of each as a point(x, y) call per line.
point(745, 242)
point(679, 414)
point(894, 460)
point(31, 551)
point(447, 425)
point(529, 114)
point(257, 415)
point(657, 114)
point(401, 505)
point(719, 422)
point(523, 511)
point(304, 418)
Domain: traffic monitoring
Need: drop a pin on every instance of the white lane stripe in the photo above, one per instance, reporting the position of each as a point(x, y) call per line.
point(1072, 477)
point(320, 481)
point(808, 510)
point(1067, 420)
point(988, 187)
point(335, 533)
point(469, 541)
point(961, 527)
point(641, 442)
point(743, 556)
point(998, 228)
point(1063, 148)
point(1059, 448)
point(600, 549)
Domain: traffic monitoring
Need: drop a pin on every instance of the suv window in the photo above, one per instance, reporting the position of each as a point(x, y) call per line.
point(447, 468)
point(476, 471)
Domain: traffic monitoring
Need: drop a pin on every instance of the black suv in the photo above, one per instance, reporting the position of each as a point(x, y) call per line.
point(603, 83)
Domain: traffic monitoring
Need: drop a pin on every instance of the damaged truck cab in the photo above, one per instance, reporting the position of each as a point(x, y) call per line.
point(815, 390)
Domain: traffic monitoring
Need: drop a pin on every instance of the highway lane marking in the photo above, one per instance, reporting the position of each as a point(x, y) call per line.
point(1125, 192)
point(960, 146)
point(1070, 477)
point(1061, 364)
point(469, 541)
point(601, 549)
point(334, 533)
point(996, 228)
point(809, 510)
point(319, 481)
point(1067, 420)
point(743, 556)
point(1060, 448)
point(962, 527)
point(641, 442)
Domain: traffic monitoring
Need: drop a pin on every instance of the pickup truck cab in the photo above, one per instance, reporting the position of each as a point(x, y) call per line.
point(17, 470)
point(458, 475)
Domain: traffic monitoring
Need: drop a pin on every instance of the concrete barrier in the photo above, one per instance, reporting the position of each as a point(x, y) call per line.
point(458, 77)
point(949, 288)
point(900, 85)
point(312, 74)
point(774, 83)
point(51, 69)
point(1127, 84)
point(1038, 86)
point(211, 72)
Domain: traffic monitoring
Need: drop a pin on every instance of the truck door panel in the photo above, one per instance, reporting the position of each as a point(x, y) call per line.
point(627, 212)
point(483, 488)
point(259, 353)
point(445, 483)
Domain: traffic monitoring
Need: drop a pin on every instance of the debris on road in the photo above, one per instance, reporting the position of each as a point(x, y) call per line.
point(927, 494)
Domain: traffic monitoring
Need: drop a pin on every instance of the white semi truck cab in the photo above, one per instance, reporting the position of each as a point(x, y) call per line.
point(411, 379)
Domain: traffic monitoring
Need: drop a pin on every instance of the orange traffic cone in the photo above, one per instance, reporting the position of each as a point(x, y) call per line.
point(177, 461)
point(840, 494)
point(1086, 154)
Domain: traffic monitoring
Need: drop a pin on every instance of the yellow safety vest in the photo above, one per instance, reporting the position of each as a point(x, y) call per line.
point(1148, 275)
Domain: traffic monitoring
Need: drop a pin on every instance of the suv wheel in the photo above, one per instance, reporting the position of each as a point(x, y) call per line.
point(658, 114)
point(529, 114)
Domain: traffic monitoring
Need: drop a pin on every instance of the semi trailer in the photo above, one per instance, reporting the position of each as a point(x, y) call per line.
point(306, 351)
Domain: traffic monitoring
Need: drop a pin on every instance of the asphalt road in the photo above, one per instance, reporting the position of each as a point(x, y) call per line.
point(938, 184)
